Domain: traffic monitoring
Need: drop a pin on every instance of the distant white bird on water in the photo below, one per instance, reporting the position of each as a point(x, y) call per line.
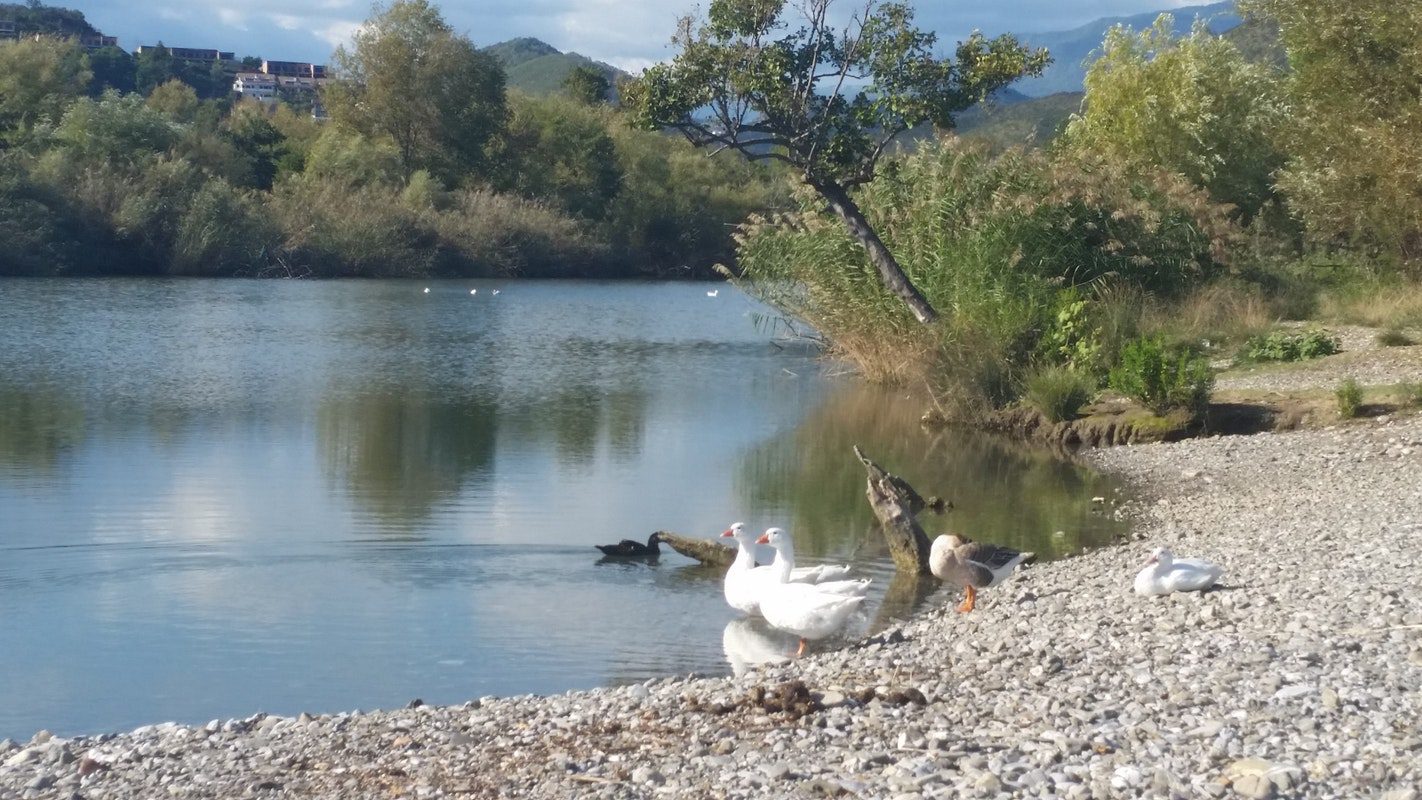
point(427, 290)
point(473, 291)
point(496, 291)
point(713, 292)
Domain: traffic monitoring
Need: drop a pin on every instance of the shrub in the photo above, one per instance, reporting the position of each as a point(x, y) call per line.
point(1059, 392)
point(1350, 398)
point(1163, 377)
point(1409, 394)
point(1004, 247)
point(1285, 346)
point(1395, 338)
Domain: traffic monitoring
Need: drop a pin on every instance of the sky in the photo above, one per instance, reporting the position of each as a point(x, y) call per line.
point(630, 34)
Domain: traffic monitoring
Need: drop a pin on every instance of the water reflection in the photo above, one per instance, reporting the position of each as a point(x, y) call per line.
point(1002, 491)
point(38, 427)
point(400, 454)
point(749, 641)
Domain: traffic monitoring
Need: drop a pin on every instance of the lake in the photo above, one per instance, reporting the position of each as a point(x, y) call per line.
point(223, 497)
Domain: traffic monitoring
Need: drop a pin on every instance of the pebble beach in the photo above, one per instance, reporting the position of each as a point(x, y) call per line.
point(1300, 677)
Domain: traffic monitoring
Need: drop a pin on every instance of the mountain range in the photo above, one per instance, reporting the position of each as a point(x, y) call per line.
point(1071, 49)
point(537, 67)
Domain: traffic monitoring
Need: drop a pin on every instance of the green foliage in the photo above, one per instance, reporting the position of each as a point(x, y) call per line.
point(1409, 395)
point(1163, 377)
point(1191, 105)
point(1350, 398)
point(182, 185)
point(176, 100)
point(30, 226)
point(223, 231)
point(39, 78)
point(1073, 339)
point(1259, 41)
point(116, 129)
point(760, 77)
point(35, 17)
point(258, 140)
point(335, 230)
point(779, 93)
point(677, 208)
point(562, 151)
point(1354, 174)
point(113, 68)
point(156, 66)
point(1286, 346)
point(1002, 245)
point(411, 79)
point(1058, 392)
point(1030, 123)
point(349, 157)
point(587, 85)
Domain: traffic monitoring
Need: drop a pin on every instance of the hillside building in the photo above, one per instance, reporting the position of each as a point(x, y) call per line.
point(96, 40)
point(256, 86)
point(294, 69)
point(196, 55)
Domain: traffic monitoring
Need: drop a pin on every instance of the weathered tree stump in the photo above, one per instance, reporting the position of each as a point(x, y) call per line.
point(896, 504)
point(704, 550)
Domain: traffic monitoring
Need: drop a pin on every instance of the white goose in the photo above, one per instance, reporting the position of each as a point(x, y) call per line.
point(800, 608)
point(745, 581)
point(825, 577)
point(1164, 573)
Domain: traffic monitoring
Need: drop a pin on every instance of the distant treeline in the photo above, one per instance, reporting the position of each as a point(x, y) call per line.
point(116, 164)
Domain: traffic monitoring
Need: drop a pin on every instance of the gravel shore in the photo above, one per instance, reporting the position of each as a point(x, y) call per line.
point(1302, 678)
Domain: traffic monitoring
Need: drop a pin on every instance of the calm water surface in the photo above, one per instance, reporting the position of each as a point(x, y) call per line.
point(220, 497)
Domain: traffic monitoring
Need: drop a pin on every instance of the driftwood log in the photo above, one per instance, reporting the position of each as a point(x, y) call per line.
point(706, 551)
point(896, 504)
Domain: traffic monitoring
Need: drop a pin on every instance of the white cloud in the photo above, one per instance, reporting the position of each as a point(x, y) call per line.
point(232, 18)
point(338, 33)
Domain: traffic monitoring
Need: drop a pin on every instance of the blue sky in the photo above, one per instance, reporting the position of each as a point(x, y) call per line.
point(627, 33)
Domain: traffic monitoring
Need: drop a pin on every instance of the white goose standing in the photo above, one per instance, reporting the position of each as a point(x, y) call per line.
point(800, 608)
point(744, 581)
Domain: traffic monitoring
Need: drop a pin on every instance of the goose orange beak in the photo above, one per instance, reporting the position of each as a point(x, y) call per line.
point(764, 539)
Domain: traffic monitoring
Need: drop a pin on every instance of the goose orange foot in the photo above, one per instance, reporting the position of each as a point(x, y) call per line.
point(969, 601)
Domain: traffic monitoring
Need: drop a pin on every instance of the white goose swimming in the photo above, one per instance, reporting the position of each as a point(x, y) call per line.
point(1164, 573)
point(801, 608)
point(745, 581)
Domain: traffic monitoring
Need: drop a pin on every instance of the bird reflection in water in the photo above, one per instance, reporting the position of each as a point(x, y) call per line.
point(749, 641)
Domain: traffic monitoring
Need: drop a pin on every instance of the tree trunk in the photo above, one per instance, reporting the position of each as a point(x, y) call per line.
point(707, 551)
point(890, 274)
point(896, 503)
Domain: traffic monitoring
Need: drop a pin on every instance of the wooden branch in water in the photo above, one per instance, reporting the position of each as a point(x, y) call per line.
point(896, 504)
point(706, 551)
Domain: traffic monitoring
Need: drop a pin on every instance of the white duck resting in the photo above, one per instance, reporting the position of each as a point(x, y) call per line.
point(744, 580)
point(801, 608)
point(1164, 573)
